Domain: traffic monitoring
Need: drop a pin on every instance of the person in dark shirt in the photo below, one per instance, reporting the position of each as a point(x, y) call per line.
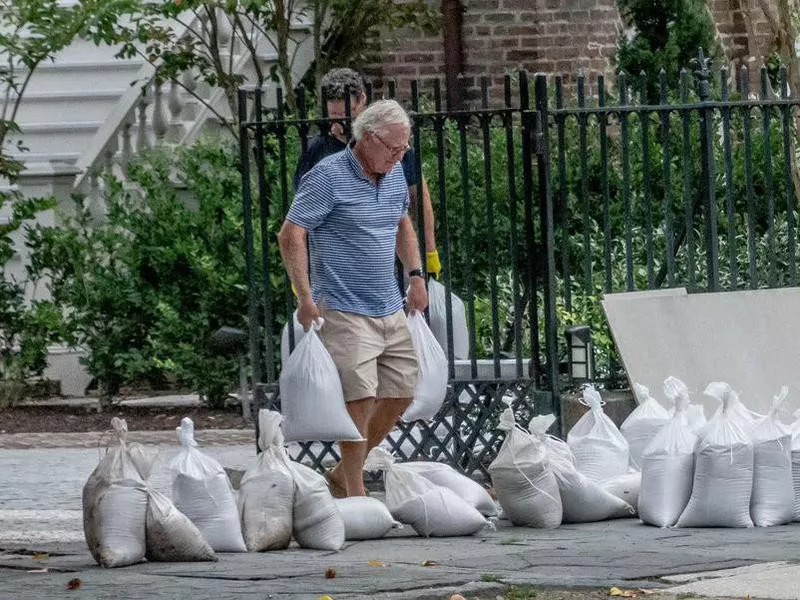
point(335, 83)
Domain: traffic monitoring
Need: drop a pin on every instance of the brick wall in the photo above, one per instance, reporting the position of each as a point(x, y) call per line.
point(502, 36)
point(551, 36)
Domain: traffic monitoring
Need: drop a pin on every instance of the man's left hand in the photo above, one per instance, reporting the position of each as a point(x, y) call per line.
point(417, 296)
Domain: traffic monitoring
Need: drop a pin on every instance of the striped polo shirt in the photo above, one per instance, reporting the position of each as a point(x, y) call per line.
point(352, 224)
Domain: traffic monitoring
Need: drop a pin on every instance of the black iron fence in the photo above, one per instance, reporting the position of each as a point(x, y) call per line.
point(542, 205)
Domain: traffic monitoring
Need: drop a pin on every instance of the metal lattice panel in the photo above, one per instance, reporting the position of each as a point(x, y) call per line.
point(463, 434)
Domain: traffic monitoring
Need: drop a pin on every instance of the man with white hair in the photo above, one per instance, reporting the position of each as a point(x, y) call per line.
point(353, 209)
point(337, 83)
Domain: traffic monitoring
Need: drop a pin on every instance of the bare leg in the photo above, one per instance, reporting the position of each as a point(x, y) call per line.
point(387, 413)
point(350, 470)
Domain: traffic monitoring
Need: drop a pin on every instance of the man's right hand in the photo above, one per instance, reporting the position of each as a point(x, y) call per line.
point(308, 312)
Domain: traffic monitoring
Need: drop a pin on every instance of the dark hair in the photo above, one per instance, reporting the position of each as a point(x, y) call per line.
point(336, 81)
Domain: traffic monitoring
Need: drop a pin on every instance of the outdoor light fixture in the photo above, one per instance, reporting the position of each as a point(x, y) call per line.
point(581, 353)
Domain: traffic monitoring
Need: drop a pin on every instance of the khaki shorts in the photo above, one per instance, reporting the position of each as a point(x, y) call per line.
point(374, 356)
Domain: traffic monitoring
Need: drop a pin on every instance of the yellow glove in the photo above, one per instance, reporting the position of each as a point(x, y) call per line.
point(432, 264)
point(294, 290)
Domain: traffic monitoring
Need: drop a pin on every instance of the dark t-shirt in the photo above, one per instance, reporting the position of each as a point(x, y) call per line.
point(321, 146)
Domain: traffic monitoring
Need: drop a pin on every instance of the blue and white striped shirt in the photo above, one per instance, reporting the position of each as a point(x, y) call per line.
point(352, 224)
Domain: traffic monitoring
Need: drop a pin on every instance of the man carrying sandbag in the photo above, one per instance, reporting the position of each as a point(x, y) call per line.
point(353, 208)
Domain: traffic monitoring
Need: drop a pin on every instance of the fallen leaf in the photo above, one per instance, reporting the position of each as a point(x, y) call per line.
point(645, 592)
point(615, 591)
point(457, 597)
point(41, 556)
point(325, 598)
point(376, 563)
point(430, 563)
point(38, 571)
point(74, 584)
point(330, 573)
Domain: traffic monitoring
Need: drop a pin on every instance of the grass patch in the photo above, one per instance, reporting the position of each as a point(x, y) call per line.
point(489, 578)
point(520, 592)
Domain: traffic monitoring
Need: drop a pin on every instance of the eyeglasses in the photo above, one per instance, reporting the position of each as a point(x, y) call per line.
point(392, 151)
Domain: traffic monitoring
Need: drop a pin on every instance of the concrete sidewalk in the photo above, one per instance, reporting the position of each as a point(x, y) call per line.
point(731, 563)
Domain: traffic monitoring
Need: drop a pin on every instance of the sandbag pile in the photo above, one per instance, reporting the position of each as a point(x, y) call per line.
point(796, 466)
point(365, 518)
point(432, 510)
point(126, 521)
point(525, 484)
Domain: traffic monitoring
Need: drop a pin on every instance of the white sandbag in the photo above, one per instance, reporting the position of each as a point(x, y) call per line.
point(625, 487)
point(431, 388)
point(299, 332)
point(538, 428)
point(202, 491)
point(438, 316)
point(583, 500)
point(796, 465)
point(266, 492)
point(723, 474)
point(643, 423)
point(668, 468)
point(736, 410)
point(464, 487)
point(143, 457)
point(525, 485)
point(312, 402)
point(316, 522)
point(114, 506)
point(432, 510)
point(601, 451)
point(693, 414)
point(773, 493)
point(171, 536)
point(365, 518)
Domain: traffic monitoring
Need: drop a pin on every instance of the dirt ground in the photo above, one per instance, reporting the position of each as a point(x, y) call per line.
point(37, 419)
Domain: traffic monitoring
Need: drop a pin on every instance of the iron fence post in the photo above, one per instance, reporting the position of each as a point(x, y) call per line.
point(547, 227)
point(707, 165)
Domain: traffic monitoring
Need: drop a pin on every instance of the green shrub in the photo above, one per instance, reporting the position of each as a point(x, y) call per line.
point(143, 289)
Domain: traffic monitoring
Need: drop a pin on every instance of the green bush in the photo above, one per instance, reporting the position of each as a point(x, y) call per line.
point(143, 289)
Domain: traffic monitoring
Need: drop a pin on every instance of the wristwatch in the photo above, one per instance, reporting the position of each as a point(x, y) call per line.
point(416, 273)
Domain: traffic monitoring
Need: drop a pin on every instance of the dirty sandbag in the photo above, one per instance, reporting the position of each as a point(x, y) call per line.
point(432, 510)
point(312, 401)
point(723, 473)
point(464, 487)
point(316, 522)
point(437, 311)
point(668, 466)
point(365, 518)
point(171, 536)
point(299, 332)
point(143, 457)
point(643, 423)
point(266, 491)
point(525, 485)
point(114, 506)
point(601, 451)
point(202, 491)
point(431, 388)
point(772, 502)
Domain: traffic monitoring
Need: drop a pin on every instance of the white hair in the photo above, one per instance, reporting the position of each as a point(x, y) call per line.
point(378, 116)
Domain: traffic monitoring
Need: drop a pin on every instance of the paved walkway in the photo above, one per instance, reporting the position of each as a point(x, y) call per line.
point(620, 553)
point(95, 439)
